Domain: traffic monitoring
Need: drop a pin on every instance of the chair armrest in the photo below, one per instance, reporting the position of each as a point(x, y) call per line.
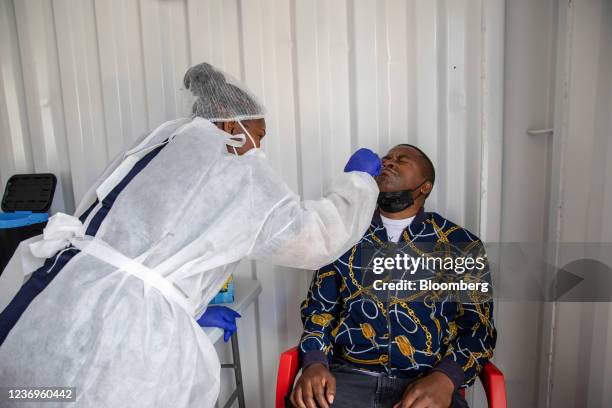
point(494, 385)
point(288, 367)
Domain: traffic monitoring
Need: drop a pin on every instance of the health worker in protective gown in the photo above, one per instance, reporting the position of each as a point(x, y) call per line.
point(115, 291)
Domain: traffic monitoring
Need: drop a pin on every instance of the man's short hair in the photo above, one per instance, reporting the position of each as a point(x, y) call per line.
point(427, 168)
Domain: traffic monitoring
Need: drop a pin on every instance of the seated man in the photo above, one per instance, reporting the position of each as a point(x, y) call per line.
point(360, 350)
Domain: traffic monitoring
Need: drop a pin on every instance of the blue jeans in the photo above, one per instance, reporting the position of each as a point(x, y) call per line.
point(358, 390)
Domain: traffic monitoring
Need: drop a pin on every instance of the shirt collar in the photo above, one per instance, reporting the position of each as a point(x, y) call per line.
point(419, 218)
point(377, 228)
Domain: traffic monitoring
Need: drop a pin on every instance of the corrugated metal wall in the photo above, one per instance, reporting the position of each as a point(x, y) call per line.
point(580, 361)
point(81, 79)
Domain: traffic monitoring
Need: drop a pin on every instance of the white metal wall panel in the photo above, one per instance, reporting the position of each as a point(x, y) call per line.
point(581, 344)
point(81, 79)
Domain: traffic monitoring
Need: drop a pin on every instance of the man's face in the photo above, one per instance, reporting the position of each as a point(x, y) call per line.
point(400, 170)
point(255, 127)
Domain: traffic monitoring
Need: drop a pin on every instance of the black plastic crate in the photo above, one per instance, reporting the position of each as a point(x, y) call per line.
point(26, 200)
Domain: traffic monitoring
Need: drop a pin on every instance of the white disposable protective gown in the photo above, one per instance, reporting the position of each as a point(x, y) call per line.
point(117, 322)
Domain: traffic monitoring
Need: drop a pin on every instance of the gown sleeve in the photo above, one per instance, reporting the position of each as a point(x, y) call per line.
point(311, 233)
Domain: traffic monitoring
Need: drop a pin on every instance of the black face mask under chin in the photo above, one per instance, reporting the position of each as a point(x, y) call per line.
point(394, 202)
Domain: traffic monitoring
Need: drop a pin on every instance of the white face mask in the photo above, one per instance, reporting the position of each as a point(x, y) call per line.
point(233, 143)
point(241, 142)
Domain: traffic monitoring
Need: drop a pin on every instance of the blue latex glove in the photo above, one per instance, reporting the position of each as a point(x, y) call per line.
point(221, 317)
point(364, 160)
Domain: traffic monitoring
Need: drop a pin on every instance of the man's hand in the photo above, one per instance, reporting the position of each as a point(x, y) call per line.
point(435, 390)
point(315, 388)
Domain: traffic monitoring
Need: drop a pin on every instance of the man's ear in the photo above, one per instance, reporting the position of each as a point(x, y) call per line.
point(426, 188)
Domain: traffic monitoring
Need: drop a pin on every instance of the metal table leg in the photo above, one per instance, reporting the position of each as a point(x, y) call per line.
point(239, 391)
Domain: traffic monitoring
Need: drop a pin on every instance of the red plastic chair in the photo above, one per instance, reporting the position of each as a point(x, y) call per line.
point(288, 366)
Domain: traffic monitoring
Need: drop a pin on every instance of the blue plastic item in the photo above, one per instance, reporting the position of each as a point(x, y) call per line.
point(21, 219)
point(16, 227)
point(226, 294)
